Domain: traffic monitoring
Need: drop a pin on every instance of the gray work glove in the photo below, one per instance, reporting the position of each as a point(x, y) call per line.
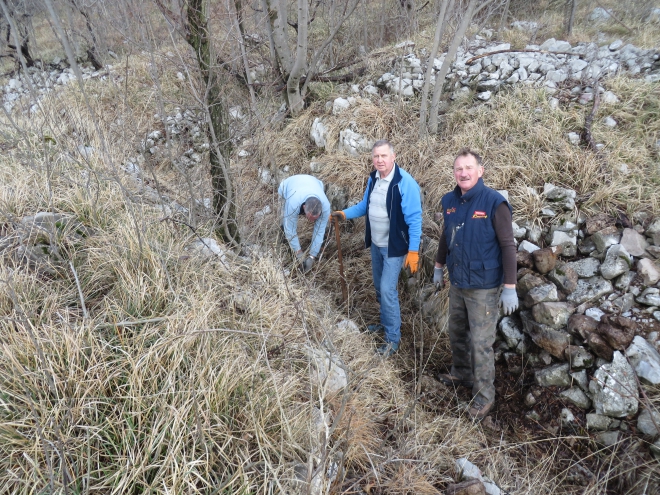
point(307, 264)
point(438, 278)
point(300, 256)
point(509, 300)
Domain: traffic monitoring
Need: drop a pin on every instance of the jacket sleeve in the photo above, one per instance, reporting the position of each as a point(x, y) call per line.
point(411, 206)
point(319, 230)
point(359, 209)
point(290, 224)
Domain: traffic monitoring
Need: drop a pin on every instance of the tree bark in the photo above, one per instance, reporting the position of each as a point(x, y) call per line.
point(218, 125)
point(296, 102)
point(571, 17)
point(277, 14)
point(451, 54)
point(439, 31)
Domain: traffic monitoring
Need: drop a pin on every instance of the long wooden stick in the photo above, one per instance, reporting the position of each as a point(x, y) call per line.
point(344, 289)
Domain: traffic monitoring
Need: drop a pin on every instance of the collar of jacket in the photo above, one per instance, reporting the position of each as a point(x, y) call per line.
point(478, 187)
point(395, 180)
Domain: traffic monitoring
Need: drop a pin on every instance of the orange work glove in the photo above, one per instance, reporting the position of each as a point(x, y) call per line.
point(339, 215)
point(412, 261)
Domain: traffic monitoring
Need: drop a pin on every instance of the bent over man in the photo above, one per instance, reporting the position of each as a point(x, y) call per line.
point(303, 195)
point(478, 249)
point(393, 209)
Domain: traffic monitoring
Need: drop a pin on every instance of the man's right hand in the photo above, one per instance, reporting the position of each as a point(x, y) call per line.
point(339, 215)
point(300, 256)
point(438, 278)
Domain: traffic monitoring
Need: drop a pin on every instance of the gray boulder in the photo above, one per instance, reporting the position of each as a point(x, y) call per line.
point(541, 293)
point(599, 422)
point(648, 423)
point(565, 278)
point(617, 261)
point(581, 379)
point(589, 289)
point(649, 271)
point(614, 388)
point(624, 281)
point(649, 297)
point(553, 341)
point(624, 303)
point(555, 375)
point(607, 438)
point(318, 133)
point(585, 267)
point(606, 238)
point(634, 242)
point(645, 359)
point(339, 105)
point(576, 396)
point(578, 357)
point(553, 314)
point(511, 331)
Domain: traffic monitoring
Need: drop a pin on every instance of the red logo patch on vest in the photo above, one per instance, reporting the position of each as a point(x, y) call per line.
point(451, 210)
point(479, 214)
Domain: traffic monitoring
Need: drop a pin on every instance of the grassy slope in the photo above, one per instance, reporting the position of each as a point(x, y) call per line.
point(186, 405)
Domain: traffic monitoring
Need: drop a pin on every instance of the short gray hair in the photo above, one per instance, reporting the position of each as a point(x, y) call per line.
point(473, 154)
point(313, 206)
point(382, 142)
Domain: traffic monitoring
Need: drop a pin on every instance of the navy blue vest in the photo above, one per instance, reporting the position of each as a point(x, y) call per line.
point(474, 257)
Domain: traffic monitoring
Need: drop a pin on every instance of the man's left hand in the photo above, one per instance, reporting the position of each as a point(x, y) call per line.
point(412, 261)
point(307, 264)
point(509, 300)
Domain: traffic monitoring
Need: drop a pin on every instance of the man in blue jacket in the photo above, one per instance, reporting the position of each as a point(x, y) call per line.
point(393, 209)
point(303, 195)
point(478, 249)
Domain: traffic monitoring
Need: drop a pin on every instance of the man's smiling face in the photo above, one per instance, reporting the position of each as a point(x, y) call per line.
point(467, 172)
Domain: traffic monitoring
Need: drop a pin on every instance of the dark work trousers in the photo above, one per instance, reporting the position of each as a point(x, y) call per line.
point(472, 319)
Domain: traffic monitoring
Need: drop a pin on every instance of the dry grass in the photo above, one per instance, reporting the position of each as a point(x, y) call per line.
point(205, 385)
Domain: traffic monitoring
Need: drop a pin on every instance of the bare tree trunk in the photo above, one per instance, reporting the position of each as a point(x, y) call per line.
point(571, 17)
point(218, 125)
point(505, 15)
point(451, 54)
point(296, 101)
point(271, 41)
point(241, 42)
point(439, 31)
point(277, 14)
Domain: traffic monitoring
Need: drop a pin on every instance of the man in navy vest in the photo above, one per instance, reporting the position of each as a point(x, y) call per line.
point(478, 249)
point(393, 209)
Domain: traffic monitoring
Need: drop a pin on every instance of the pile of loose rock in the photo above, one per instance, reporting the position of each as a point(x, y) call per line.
point(546, 65)
point(37, 81)
point(590, 304)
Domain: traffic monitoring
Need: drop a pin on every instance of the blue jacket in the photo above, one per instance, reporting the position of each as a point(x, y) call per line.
point(474, 256)
point(294, 191)
point(404, 207)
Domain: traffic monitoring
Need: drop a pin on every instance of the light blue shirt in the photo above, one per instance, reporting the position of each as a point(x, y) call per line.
point(294, 191)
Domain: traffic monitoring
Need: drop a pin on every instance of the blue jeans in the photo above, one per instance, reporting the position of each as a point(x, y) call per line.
point(386, 275)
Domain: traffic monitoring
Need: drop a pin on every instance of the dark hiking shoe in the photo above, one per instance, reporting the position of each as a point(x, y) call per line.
point(453, 381)
point(479, 411)
point(377, 328)
point(386, 350)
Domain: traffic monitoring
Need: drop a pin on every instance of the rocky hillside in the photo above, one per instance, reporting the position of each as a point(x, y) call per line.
point(141, 353)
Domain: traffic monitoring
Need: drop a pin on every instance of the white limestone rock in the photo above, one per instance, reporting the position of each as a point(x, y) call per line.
point(339, 105)
point(318, 133)
point(614, 388)
point(645, 359)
